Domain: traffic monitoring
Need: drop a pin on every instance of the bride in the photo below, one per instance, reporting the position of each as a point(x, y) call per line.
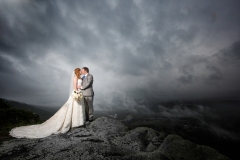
point(71, 114)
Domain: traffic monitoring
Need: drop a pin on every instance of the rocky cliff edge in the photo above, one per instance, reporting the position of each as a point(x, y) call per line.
point(107, 138)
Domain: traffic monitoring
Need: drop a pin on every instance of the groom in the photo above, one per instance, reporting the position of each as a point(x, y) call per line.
point(87, 89)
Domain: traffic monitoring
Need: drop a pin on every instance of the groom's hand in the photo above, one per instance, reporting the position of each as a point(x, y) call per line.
point(79, 87)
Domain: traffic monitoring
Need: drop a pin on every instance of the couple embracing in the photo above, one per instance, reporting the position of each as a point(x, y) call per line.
point(74, 113)
point(84, 85)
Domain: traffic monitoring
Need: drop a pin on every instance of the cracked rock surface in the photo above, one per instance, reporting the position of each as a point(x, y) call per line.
point(107, 138)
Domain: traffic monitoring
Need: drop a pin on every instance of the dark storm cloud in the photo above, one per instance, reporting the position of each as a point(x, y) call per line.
point(186, 79)
point(233, 52)
point(137, 50)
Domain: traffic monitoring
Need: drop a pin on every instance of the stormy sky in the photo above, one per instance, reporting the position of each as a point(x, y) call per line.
point(138, 51)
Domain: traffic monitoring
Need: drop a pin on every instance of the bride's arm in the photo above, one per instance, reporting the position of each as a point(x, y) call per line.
point(75, 80)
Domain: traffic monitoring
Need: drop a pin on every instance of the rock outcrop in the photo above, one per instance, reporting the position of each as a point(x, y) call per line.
point(107, 138)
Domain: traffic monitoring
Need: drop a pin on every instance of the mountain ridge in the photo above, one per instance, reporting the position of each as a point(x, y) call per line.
point(42, 111)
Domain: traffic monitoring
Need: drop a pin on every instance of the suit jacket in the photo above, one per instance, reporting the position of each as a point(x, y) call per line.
point(87, 86)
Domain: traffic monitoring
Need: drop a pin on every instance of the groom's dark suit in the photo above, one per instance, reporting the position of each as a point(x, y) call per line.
point(87, 88)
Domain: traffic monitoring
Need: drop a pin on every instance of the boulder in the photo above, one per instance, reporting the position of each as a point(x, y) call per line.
point(139, 139)
point(175, 147)
point(107, 128)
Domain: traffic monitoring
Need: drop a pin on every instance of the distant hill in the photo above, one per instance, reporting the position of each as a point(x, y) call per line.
point(43, 112)
point(13, 117)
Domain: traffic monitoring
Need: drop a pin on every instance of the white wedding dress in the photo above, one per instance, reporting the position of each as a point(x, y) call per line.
point(70, 115)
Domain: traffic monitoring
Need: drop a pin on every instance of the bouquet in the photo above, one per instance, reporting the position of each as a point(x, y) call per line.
point(77, 95)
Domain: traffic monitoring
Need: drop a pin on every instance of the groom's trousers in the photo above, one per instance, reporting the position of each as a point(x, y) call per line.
point(89, 108)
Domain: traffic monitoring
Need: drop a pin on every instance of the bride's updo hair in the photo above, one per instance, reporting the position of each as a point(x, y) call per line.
point(77, 72)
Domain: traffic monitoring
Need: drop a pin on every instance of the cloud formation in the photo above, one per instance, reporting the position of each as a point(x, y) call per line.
point(145, 51)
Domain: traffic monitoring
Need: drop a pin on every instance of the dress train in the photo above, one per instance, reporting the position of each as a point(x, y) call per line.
point(71, 114)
